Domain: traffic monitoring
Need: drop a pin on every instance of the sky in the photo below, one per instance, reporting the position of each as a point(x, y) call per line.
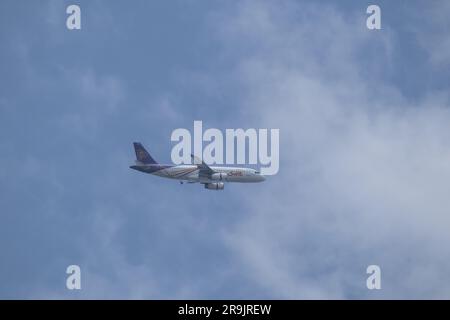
point(364, 149)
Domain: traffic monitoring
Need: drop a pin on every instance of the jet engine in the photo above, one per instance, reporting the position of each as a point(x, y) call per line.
point(219, 176)
point(215, 186)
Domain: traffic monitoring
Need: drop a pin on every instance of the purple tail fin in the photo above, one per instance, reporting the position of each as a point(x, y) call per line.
point(142, 155)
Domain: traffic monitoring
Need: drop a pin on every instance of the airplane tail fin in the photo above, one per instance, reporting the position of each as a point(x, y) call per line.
point(142, 155)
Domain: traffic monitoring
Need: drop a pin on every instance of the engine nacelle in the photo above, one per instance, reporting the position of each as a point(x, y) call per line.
point(219, 176)
point(215, 186)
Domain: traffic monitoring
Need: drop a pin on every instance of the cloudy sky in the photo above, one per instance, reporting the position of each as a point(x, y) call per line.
point(364, 149)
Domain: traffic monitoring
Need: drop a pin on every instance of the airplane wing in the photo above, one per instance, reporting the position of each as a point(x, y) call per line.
point(205, 171)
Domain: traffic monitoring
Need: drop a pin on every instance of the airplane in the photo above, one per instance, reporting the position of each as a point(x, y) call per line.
point(213, 178)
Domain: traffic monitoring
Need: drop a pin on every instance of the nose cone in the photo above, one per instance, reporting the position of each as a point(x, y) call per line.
point(260, 178)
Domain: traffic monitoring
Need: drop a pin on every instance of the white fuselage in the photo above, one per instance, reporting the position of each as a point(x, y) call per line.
point(223, 174)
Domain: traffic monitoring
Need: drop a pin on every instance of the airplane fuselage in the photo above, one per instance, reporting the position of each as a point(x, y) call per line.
point(191, 173)
point(212, 178)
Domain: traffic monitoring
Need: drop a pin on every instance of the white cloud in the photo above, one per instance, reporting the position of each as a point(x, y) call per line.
point(363, 175)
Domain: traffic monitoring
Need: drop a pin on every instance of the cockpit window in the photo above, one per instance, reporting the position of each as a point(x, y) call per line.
point(257, 172)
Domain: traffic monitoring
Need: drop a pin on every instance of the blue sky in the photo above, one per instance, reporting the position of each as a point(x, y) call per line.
point(364, 154)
